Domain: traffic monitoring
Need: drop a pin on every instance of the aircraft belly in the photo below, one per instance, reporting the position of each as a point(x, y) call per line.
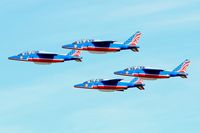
point(42, 63)
point(109, 87)
point(97, 52)
point(151, 76)
point(106, 90)
point(42, 60)
point(101, 49)
point(148, 78)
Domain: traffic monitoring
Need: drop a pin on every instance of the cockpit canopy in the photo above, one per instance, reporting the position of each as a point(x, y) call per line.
point(93, 80)
point(28, 53)
point(83, 41)
point(135, 68)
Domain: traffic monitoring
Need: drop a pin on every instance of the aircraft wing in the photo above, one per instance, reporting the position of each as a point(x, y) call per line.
point(152, 71)
point(102, 43)
point(110, 41)
point(42, 54)
point(111, 81)
point(46, 53)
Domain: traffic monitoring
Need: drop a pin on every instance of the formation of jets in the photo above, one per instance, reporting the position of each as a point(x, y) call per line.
point(139, 73)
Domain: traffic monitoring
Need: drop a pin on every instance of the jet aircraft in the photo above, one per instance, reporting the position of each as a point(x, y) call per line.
point(41, 57)
point(105, 46)
point(111, 84)
point(153, 74)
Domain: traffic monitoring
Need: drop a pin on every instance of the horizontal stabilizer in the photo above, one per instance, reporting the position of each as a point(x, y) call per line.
point(135, 49)
point(78, 60)
point(184, 76)
point(140, 87)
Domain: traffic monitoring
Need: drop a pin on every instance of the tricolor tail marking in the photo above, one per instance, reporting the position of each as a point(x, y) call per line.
point(74, 53)
point(133, 40)
point(136, 38)
point(184, 66)
point(139, 81)
point(77, 53)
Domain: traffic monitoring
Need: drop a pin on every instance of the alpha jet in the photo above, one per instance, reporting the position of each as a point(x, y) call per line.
point(153, 74)
point(105, 46)
point(111, 85)
point(41, 57)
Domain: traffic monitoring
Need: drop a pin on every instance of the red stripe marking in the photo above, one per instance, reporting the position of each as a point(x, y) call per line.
point(44, 60)
point(150, 76)
point(139, 81)
point(136, 39)
point(77, 53)
point(109, 87)
point(101, 49)
point(184, 67)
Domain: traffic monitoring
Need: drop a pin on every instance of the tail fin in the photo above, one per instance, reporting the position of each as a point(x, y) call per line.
point(182, 67)
point(133, 40)
point(138, 82)
point(74, 53)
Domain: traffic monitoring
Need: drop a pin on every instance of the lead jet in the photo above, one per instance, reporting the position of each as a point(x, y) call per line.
point(153, 74)
point(105, 46)
point(111, 85)
point(41, 57)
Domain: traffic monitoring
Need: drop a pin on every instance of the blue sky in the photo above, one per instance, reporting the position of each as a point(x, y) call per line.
point(35, 98)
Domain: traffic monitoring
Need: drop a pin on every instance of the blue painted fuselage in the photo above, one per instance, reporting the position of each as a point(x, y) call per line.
point(151, 74)
point(43, 58)
point(109, 85)
point(100, 47)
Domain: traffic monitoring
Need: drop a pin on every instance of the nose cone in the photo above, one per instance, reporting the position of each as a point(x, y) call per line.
point(68, 46)
point(79, 86)
point(13, 58)
point(119, 72)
